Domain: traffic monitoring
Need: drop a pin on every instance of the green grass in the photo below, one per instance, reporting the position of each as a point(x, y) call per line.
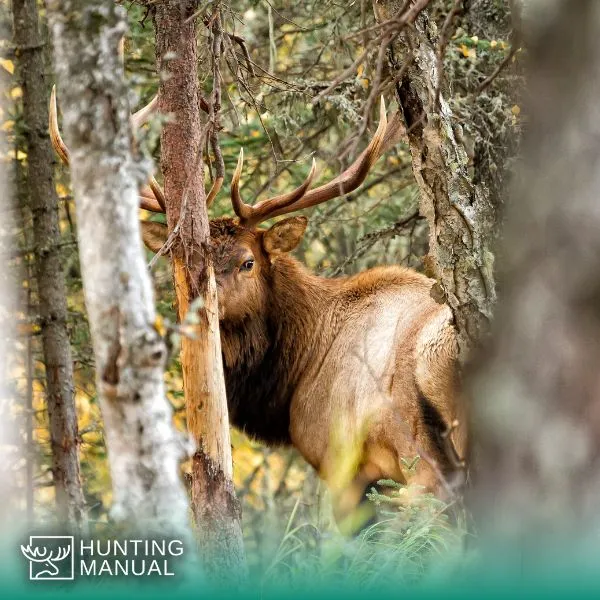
point(419, 543)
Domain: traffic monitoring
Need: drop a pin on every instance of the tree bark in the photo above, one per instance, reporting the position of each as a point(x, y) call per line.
point(536, 395)
point(216, 509)
point(43, 203)
point(12, 508)
point(461, 205)
point(144, 448)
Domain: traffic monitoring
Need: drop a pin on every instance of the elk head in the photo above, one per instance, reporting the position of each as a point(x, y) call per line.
point(47, 559)
point(244, 255)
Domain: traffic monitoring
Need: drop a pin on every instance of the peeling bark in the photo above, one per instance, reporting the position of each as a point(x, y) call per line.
point(43, 203)
point(143, 446)
point(216, 509)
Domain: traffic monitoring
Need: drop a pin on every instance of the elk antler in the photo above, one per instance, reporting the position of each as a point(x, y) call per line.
point(36, 554)
point(61, 554)
point(302, 197)
point(251, 215)
point(151, 196)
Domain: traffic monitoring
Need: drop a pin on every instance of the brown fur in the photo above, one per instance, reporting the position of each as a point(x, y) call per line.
point(356, 372)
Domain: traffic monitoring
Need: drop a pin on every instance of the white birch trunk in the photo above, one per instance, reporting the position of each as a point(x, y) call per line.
point(144, 448)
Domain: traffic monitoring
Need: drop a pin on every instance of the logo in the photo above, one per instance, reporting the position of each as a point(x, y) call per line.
point(64, 557)
point(50, 557)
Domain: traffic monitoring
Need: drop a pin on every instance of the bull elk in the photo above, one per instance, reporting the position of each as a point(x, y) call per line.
point(359, 369)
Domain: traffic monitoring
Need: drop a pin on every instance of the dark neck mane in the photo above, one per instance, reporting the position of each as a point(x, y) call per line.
point(266, 354)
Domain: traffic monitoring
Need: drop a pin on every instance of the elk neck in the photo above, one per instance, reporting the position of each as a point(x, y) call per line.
point(266, 354)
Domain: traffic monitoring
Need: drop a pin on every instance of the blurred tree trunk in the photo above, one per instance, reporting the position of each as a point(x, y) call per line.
point(537, 393)
point(216, 509)
point(461, 203)
point(144, 448)
point(52, 301)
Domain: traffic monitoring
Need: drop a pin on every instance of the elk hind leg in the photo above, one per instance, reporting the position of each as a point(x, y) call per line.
point(352, 509)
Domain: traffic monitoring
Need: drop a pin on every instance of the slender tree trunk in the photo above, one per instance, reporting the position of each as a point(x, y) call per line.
point(461, 204)
point(537, 393)
point(144, 448)
point(215, 506)
point(12, 513)
point(52, 302)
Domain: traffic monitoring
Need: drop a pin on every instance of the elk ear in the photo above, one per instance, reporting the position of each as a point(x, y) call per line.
point(154, 235)
point(284, 236)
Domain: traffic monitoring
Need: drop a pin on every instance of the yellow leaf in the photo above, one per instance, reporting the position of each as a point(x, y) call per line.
point(468, 52)
point(475, 38)
point(7, 125)
point(61, 190)
point(8, 65)
point(255, 133)
point(493, 43)
point(365, 82)
point(12, 155)
point(516, 110)
point(159, 325)
point(360, 70)
point(16, 92)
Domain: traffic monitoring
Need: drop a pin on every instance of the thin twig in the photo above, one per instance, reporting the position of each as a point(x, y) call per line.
point(500, 68)
point(443, 45)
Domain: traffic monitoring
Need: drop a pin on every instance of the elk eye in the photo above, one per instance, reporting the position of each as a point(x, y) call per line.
point(247, 265)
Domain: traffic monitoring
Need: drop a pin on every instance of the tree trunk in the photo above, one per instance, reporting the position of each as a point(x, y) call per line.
point(216, 509)
point(12, 508)
point(52, 301)
point(461, 205)
point(536, 397)
point(144, 448)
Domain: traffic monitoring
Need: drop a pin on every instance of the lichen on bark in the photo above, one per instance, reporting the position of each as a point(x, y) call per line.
point(460, 198)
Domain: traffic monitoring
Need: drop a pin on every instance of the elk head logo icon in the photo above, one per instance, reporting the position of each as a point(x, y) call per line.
point(47, 556)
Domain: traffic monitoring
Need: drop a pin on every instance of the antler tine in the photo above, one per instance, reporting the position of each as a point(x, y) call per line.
point(141, 116)
point(149, 197)
point(351, 178)
point(158, 193)
point(241, 209)
point(148, 200)
point(252, 215)
point(57, 142)
point(264, 209)
point(214, 190)
point(152, 196)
